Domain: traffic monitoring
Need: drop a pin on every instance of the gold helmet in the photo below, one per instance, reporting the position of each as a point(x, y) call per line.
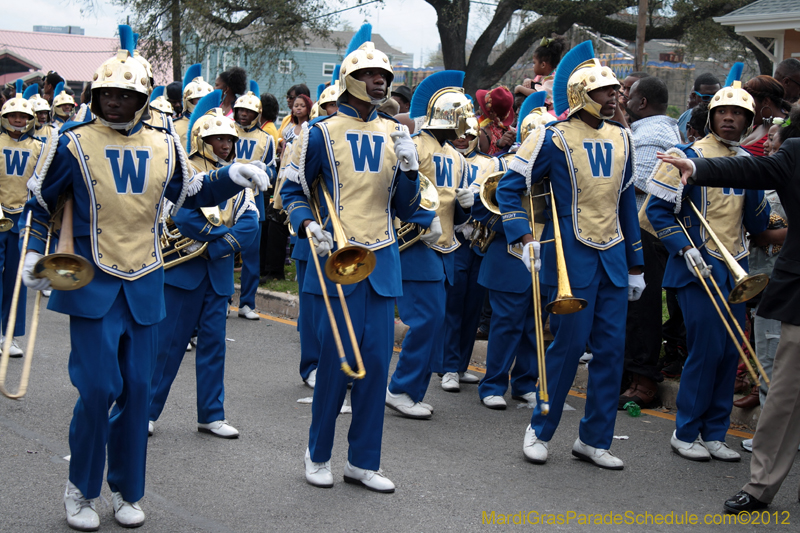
point(473, 128)
point(211, 123)
point(449, 109)
point(250, 101)
point(146, 64)
point(365, 57)
point(160, 103)
point(39, 103)
point(122, 71)
point(734, 96)
point(197, 88)
point(537, 117)
point(330, 94)
point(585, 78)
point(60, 97)
point(18, 104)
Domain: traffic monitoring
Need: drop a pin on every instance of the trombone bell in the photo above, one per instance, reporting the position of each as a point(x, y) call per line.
point(349, 264)
point(747, 287)
point(66, 272)
point(5, 224)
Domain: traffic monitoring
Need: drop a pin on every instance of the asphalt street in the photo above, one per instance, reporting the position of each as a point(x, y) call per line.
point(451, 472)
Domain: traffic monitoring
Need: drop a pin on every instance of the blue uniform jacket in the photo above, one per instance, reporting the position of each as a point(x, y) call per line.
point(385, 279)
point(662, 217)
point(145, 296)
point(582, 261)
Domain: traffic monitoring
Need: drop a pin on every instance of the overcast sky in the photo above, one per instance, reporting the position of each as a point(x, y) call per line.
point(409, 25)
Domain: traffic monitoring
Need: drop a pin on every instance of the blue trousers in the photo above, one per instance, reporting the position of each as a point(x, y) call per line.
point(112, 359)
point(705, 397)
point(422, 309)
point(309, 342)
point(464, 300)
point(512, 336)
point(602, 325)
point(9, 259)
point(373, 322)
point(204, 308)
point(250, 272)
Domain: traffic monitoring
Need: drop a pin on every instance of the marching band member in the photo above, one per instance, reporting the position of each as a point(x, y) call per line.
point(512, 335)
point(196, 291)
point(705, 396)
point(43, 128)
point(465, 297)
point(194, 88)
point(108, 165)
point(588, 161)
point(374, 179)
point(21, 152)
point(160, 108)
point(63, 105)
point(254, 145)
point(429, 264)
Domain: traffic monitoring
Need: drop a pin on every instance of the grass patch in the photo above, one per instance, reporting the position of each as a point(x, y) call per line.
point(288, 285)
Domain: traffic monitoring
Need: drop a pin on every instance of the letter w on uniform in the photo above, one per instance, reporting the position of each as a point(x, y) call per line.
point(245, 148)
point(601, 157)
point(16, 161)
point(130, 167)
point(367, 150)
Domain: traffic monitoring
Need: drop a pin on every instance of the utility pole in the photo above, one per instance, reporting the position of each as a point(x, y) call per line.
point(638, 60)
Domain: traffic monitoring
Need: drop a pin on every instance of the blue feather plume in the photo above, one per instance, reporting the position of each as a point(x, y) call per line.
point(363, 35)
point(32, 90)
point(573, 58)
point(428, 87)
point(191, 73)
point(206, 104)
point(158, 91)
point(335, 76)
point(255, 89)
point(126, 38)
point(320, 88)
point(735, 74)
point(136, 40)
point(59, 89)
point(530, 103)
point(18, 85)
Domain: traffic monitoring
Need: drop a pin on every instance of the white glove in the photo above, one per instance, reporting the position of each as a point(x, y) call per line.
point(433, 233)
point(694, 255)
point(259, 165)
point(192, 248)
point(467, 230)
point(405, 150)
point(465, 197)
point(31, 281)
point(248, 176)
point(526, 255)
point(323, 241)
point(636, 286)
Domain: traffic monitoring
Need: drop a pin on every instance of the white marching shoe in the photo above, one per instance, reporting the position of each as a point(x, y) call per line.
point(720, 451)
point(535, 450)
point(311, 380)
point(747, 445)
point(694, 451)
point(249, 314)
point(403, 404)
point(318, 474)
point(494, 402)
point(14, 350)
point(81, 514)
point(220, 428)
point(597, 456)
point(469, 379)
point(151, 428)
point(528, 397)
point(427, 406)
point(125, 513)
point(372, 479)
point(450, 382)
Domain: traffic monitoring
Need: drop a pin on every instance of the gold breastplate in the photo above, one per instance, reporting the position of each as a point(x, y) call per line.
point(444, 166)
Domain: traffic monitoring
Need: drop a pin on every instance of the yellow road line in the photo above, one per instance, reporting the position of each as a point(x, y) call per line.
point(650, 412)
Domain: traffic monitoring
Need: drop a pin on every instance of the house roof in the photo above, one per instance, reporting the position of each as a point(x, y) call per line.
point(766, 8)
point(763, 16)
point(338, 40)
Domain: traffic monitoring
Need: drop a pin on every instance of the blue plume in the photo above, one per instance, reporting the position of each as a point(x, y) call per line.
point(573, 58)
point(735, 74)
point(158, 91)
point(255, 89)
point(59, 89)
point(18, 85)
point(126, 38)
point(320, 88)
point(32, 90)
point(363, 35)
point(206, 104)
point(335, 76)
point(529, 104)
point(191, 73)
point(136, 40)
point(428, 87)
point(471, 101)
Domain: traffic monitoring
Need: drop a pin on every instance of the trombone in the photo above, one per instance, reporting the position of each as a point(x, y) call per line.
point(349, 264)
point(429, 201)
point(746, 286)
point(65, 270)
point(5, 222)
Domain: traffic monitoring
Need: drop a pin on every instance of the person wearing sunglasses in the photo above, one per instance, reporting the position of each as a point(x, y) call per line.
point(705, 87)
point(788, 73)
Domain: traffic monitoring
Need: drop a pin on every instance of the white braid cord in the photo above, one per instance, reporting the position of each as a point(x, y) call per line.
point(526, 169)
point(81, 114)
point(464, 173)
point(191, 185)
point(37, 186)
point(248, 204)
point(659, 192)
point(299, 175)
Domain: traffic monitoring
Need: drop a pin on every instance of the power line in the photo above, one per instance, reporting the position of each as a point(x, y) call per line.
point(345, 9)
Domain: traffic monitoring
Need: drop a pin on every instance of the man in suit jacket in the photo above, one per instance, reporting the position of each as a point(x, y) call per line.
point(778, 432)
